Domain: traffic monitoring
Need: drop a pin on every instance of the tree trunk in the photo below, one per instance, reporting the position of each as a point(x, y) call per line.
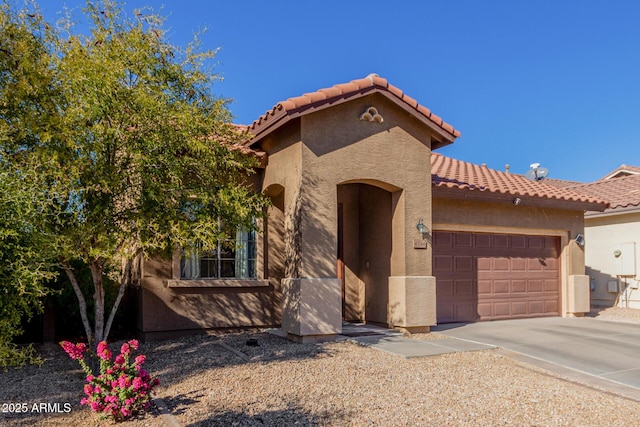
point(124, 281)
point(81, 301)
point(98, 299)
point(127, 277)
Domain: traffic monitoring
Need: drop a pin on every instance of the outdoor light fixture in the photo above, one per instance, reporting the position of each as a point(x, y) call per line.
point(580, 239)
point(421, 227)
point(517, 201)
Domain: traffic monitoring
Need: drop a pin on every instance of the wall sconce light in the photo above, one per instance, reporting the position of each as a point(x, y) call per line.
point(517, 201)
point(580, 239)
point(421, 227)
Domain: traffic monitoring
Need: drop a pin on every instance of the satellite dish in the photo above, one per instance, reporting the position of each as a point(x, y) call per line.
point(537, 172)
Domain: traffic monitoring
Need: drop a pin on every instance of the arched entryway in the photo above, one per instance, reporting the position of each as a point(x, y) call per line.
point(364, 253)
point(274, 257)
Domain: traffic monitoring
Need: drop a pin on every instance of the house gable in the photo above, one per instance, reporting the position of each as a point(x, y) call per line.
point(292, 108)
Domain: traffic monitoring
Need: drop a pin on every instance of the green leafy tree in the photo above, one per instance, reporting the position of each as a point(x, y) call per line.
point(24, 264)
point(26, 250)
point(138, 154)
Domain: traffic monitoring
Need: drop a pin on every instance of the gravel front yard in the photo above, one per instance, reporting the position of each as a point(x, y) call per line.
point(206, 384)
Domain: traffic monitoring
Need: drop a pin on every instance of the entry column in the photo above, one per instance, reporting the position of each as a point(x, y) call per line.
point(412, 288)
point(312, 295)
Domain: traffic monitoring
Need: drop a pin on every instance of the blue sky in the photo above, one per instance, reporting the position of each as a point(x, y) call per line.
point(554, 82)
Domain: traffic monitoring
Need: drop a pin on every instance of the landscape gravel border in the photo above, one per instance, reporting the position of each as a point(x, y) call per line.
point(205, 382)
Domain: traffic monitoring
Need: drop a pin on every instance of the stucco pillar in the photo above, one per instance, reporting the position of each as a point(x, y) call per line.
point(578, 295)
point(312, 308)
point(312, 295)
point(412, 302)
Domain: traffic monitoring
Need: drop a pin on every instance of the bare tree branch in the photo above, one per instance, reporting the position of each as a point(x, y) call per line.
point(81, 301)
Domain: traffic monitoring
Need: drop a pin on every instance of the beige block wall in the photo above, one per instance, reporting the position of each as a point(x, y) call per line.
point(505, 217)
point(603, 235)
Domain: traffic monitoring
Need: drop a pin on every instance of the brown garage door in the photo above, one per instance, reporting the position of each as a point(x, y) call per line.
point(482, 276)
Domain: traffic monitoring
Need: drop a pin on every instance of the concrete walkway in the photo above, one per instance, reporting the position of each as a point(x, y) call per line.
point(395, 343)
point(601, 353)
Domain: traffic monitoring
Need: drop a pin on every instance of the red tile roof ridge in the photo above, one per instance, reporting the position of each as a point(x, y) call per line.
point(345, 90)
point(457, 174)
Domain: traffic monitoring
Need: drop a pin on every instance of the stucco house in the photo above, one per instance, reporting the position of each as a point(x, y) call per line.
point(612, 253)
point(368, 223)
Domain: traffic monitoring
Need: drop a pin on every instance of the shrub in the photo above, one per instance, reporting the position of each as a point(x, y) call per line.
point(122, 388)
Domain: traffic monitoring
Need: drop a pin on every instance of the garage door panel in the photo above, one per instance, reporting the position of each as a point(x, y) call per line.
point(496, 276)
point(463, 240)
point(485, 310)
point(466, 312)
point(463, 263)
point(536, 286)
point(536, 307)
point(483, 240)
point(502, 309)
point(442, 263)
point(444, 287)
point(501, 286)
point(551, 285)
point(501, 264)
point(520, 308)
point(518, 286)
point(535, 242)
point(518, 242)
point(464, 288)
point(500, 241)
point(551, 307)
point(535, 264)
point(484, 287)
point(445, 311)
point(483, 264)
point(518, 264)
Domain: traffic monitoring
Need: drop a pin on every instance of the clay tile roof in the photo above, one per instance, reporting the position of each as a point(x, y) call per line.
point(620, 192)
point(328, 96)
point(622, 170)
point(459, 175)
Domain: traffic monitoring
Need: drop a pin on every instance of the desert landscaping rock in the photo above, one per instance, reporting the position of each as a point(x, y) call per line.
point(337, 384)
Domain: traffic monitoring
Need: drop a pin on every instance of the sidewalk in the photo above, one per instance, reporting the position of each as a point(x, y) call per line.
point(394, 342)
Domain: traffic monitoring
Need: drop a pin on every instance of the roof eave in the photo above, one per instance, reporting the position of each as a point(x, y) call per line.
point(280, 116)
point(614, 211)
point(507, 197)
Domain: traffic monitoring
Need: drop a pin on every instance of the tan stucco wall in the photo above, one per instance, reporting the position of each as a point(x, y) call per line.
point(603, 235)
point(339, 148)
point(166, 311)
point(505, 217)
point(323, 150)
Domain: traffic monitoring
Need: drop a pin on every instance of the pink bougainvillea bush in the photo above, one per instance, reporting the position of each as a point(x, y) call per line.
point(122, 388)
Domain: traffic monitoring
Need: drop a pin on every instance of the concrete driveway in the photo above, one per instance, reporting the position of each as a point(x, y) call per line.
point(602, 353)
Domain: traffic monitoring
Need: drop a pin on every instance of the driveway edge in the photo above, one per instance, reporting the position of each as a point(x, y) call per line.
point(577, 377)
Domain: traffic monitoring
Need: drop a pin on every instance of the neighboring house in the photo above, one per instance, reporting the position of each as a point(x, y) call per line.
point(612, 238)
point(369, 224)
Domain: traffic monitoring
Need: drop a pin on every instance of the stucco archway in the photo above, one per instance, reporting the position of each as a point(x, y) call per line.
point(366, 211)
point(274, 258)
